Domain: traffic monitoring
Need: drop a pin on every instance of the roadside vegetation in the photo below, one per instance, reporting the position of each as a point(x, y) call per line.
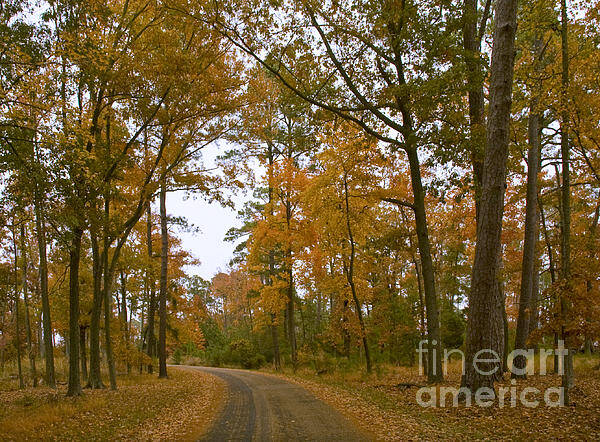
point(383, 404)
point(144, 408)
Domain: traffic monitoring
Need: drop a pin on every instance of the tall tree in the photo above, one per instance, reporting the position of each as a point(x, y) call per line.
point(484, 330)
point(24, 283)
point(565, 224)
point(473, 34)
point(529, 268)
point(162, 297)
point(151, 339)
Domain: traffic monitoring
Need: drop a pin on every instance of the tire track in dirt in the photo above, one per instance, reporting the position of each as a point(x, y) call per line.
point(259, 407)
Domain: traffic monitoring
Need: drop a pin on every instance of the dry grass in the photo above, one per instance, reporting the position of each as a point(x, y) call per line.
point(385, 405)
point(143, 408)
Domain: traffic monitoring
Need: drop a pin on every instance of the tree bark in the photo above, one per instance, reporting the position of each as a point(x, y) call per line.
point(535, 297)
point(74, 386)
point(30, 349)
point(531, 231)
point(16, 309)
point(94, 377)
point(107, 294)
point(475, 77)
point(587, 343)
point(485, 329)
point(291, 323)
point(434, 364)
point(83, 356)
point(565, 249)
point(152, 300)
point(275, 338)
point(162, 329)
point(350, 277)
point(40, 231)
point(274, 333)
point(425, 366)
point(123, 313)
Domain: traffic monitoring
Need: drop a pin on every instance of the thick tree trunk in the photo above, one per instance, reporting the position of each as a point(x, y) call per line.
point(30, 349)
point(565, 244)
point(94, 376)
point(83, 356)
point(74, 387)
point(531, 235)
point(485, 328)
point(40, 231)
point(107, 295)
point(434, 364)
point(152, 300)
point(162, 308)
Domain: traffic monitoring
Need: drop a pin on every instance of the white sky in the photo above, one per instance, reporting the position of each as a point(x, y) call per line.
point(208, 245)
point(212, 219)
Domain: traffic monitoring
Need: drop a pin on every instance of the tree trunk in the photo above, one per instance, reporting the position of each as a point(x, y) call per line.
point(551, 269)
point(152, 300)
point(30, 349)
point(142, 334)
point(275, 338)
point(587, 343)
point(84, 371)
point(420, 290)
point(505, 346)
point(434, 344)
point(162, 309)
point(74, 387)
point(565, 249)
point(40, 231)
point(350, 276)
point(123, 312)
point(107, 295)
point(16, 309)
point(39, 333)
point(475, 78)
point(291, 323)
point(274, 333)
point(535, 298)
point(94, 376)
point(531, 232)
point(485, 329)
point(551, 264)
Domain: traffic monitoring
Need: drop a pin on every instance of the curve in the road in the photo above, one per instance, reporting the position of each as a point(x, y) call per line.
point(265, 408)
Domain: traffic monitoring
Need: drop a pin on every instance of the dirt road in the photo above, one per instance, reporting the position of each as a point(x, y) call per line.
point(265, 408)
